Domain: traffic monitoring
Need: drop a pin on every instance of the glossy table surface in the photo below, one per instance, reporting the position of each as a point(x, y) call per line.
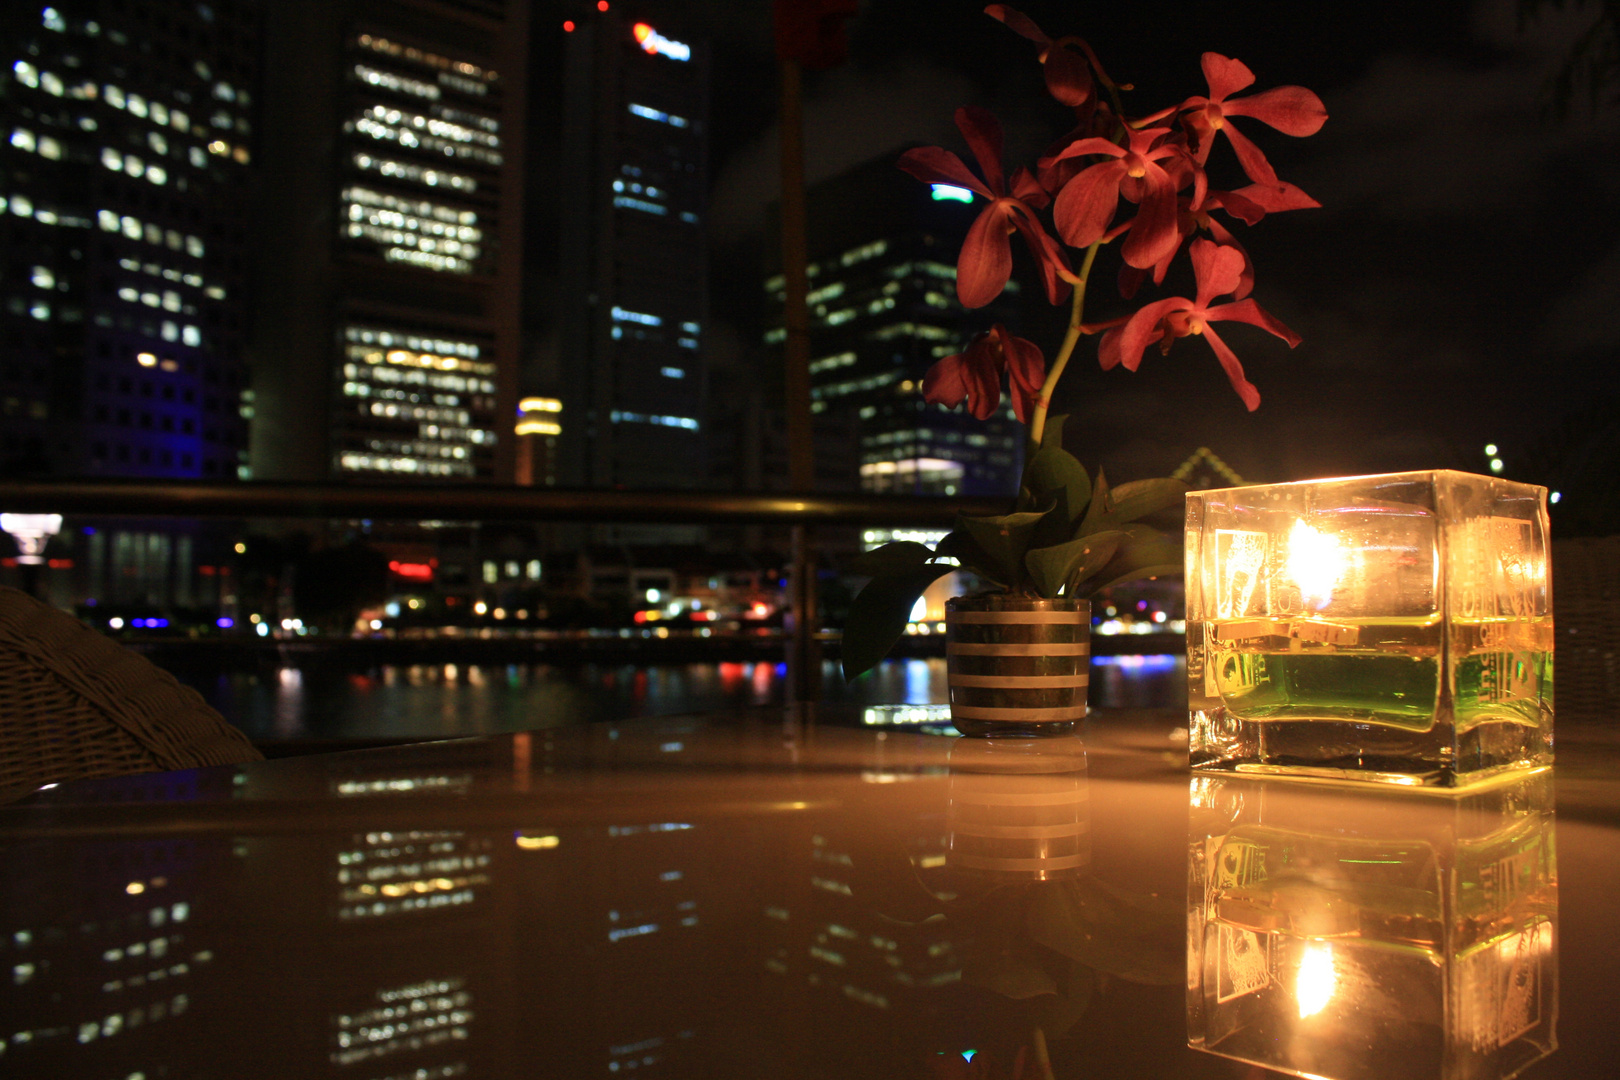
point(806, 892)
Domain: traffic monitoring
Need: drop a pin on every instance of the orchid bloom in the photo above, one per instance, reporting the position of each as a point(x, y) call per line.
point(1217, 269)
point(1068, 76)
point(1249, 204)
point(985, 263)
point(1292, 110)
point(1086, 205)
point(975, 375)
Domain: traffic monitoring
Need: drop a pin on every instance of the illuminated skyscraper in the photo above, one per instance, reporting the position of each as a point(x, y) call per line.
point(125, 136)
point(387, 333)
point(633, 256)
point(883, 307)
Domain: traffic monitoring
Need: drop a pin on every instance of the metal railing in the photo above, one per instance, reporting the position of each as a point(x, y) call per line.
point(801, 512)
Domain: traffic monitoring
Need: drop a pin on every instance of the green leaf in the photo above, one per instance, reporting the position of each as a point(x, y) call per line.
point(1100, 505)
point(1052, 434)
point(1142, 552)
point(1137, 499)
point(895, 558)
point(1054, 473)
point(879, 615)
point(960, 545)
point(1051, 567)
point(1004, 539)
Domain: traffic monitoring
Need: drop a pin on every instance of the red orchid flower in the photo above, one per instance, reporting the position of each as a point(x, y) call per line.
point(985, 263)
point(1249, 204)
point(1086, 205)
point(975, 375)
point(1292, 110)
point(1217, 269)
point(1067, 75)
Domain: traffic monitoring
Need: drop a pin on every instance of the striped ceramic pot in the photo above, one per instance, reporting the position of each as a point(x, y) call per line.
point(1018, 665)
point(1018, 809)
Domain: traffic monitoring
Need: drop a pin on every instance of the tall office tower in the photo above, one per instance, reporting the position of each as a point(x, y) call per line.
point(883, 308)
point(386, 326)
point(125, 135)
point(633, 261)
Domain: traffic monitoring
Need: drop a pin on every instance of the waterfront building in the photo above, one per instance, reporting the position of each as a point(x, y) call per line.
point(883, 308)
point(387, 322)
point(632, 255)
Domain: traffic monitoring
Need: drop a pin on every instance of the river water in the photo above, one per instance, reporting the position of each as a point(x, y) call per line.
point(451, 700)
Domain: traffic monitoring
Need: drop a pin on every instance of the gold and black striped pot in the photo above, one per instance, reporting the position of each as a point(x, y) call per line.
point(1018, 665)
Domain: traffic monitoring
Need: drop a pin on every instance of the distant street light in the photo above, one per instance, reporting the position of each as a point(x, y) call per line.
point(32, 532)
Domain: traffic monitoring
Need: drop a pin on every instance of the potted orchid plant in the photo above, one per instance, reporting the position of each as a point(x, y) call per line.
point(1138, 184)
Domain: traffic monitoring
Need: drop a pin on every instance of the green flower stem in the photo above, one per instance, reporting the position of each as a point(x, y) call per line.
point(1037, 422)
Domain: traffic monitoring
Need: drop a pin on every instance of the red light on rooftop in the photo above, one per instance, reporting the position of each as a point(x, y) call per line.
point(568, 26)
point(601, 5)
point(415, 571)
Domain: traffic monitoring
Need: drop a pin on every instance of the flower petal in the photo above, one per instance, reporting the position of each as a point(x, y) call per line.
point(946, 382)
point(1067, 77)
point(1247, 311)
point(1234, 370)
point(983, 377)
point(1018, 22)
point(983, 134)
point(1224, 237)
point(1026, 371)
point(1108, 348)
point(1153, 234)
point(932, 165)
point(1277, 196)
point(1292, 110)
point(1225, 75)
point(1091, 145)
point(1143, 328)
point(1026, 189)
point(1217, 269)
point(986, 260)
point(1087, 203)
point(1049, 257)
point(1249, 155)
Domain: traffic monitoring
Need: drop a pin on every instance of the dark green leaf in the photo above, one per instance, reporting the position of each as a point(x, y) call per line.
point(1051, 567)
point(1052, 434)
point(1143, 552)
point(960, 545)
point(892, 558)
point(1004, 539)
point(1053, 470)
point(1136, 499)
point(1100, 506)
point(879, 615)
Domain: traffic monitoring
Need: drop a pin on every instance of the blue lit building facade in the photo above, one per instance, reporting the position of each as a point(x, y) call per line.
point(633, 255)
point(126, 142)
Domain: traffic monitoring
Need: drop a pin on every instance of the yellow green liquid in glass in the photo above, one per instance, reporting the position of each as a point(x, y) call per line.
point(1390, 675)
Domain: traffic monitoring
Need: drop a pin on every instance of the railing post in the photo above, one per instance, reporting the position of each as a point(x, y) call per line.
point(804, 651)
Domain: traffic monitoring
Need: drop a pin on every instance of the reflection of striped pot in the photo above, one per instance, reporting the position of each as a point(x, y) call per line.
point(1018, 809)
point(1017, 665)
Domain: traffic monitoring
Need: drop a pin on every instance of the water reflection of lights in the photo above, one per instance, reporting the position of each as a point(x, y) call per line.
point(1146, 662)
point(1317, 980)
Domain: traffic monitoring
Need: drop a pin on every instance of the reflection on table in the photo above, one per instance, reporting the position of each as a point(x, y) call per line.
point(1373, 935)
point(772, 896)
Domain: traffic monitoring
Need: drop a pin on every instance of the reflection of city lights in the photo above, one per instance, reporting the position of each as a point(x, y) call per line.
point(1314, 987)
point(537, 843)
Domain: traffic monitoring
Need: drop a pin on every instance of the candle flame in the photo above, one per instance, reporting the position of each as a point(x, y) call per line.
point(1317, 980)
point(1316, 562)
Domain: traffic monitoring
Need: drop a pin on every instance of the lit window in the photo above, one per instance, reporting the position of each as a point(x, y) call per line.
point(194, 247)
point(157, 174)
point(171, 301)
point(672, 373)
point(160, 112)
point(198, 159)
point(49, 148)
point(136, 104)
point(191, 336)
point(131, 227)
point(169, 331)
point(112, 159)
point(157, 142)
point(133, 165)
point(113, 95)
point(26, 74)
point(129, 295)
point(40, 310)
point(107, 220)
point(23, 139)
point(51, 84)
point(53, 20)
point(43, 278)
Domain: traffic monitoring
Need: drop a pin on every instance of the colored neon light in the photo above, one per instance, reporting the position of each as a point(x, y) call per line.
point(657, 44)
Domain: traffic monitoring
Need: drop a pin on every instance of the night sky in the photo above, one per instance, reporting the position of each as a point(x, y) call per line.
point(1457, 287)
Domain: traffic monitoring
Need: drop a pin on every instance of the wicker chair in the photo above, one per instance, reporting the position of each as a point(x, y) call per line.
point(1586, 611)
point(75, 704)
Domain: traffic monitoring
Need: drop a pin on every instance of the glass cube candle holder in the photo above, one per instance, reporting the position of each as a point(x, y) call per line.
point(1358, 935)
point(1393, 628)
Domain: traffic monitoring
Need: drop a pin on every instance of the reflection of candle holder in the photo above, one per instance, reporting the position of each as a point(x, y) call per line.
point(1018, 809)
point(1354, 935)
point(1391, 628)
